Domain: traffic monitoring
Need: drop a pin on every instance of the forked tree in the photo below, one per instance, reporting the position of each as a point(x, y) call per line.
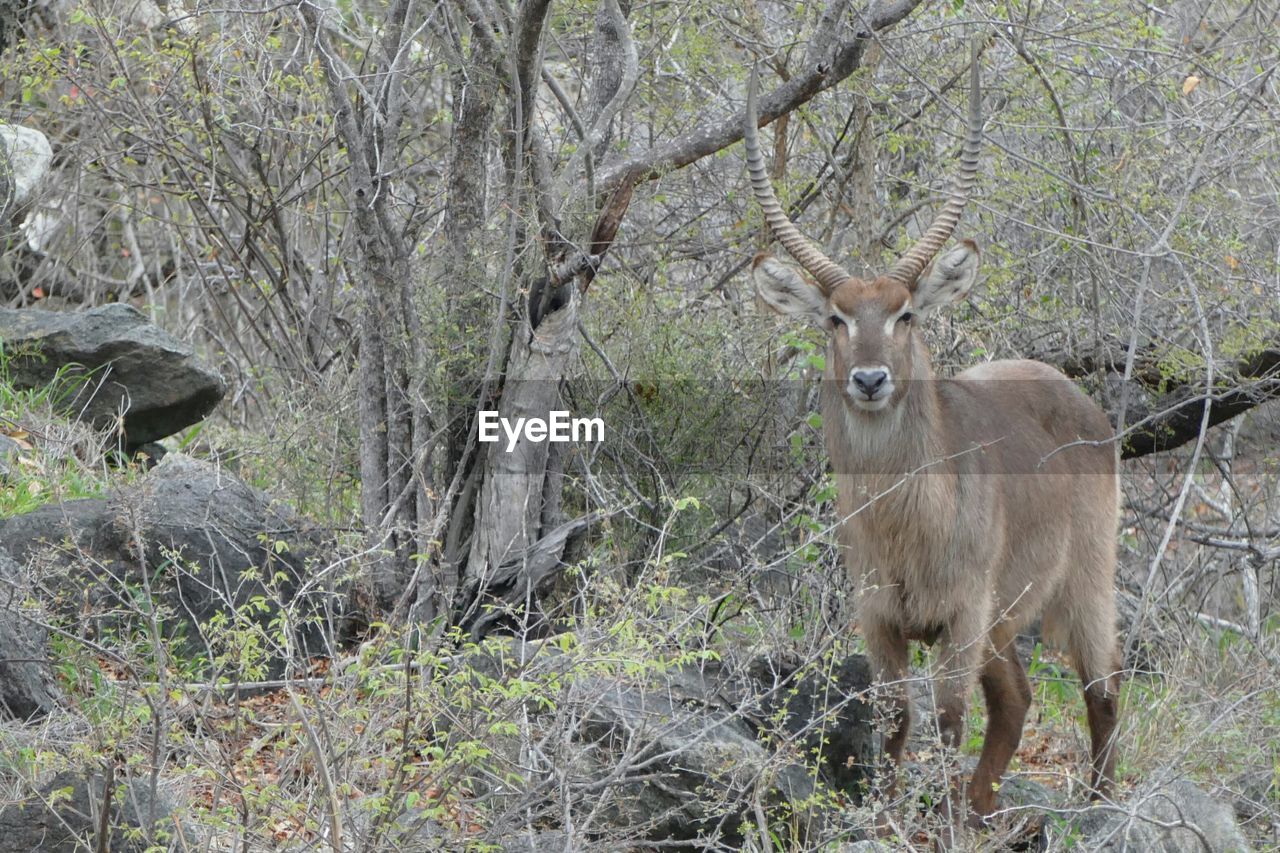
point(968, 506)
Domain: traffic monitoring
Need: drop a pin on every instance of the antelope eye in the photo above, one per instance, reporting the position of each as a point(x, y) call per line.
point(837, 322)
point(907, 319)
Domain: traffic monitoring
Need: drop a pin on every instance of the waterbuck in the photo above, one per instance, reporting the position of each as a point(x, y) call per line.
point(968, 506)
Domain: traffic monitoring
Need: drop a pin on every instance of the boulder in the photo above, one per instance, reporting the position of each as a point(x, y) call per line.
point(1020, 793)
point(368, 827)
point(209, 546)
point(62, 817)
point(1176, 818)
point(27, 686)
point(827, 712)
point(679, 754)
point(119, 362)
point(707, 762)
point(25, 156)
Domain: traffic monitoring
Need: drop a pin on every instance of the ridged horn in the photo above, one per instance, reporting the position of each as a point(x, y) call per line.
point(809, 256)
point(910, 265)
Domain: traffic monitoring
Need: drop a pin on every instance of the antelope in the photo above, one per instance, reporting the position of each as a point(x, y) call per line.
point(967, 506)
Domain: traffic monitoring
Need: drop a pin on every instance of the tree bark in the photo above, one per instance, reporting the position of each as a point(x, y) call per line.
point(476, 91)
point(1173, 418)
point(510, 510)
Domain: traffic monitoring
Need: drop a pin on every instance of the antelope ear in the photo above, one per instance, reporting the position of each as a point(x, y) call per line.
point(786, 291)
point(948, 279)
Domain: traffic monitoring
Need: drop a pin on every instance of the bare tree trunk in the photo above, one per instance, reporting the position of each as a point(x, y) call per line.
point(518, 501)
point(390, 476)
point(475, 95)
point(509, 512)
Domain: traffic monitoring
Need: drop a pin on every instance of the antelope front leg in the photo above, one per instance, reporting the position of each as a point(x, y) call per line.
point(954, 677)
point(888, 651)
point(958, 660)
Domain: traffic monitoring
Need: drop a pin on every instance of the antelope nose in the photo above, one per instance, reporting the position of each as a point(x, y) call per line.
point(869, 381)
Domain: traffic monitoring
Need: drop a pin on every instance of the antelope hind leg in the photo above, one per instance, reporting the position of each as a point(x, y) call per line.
point(1096, 656)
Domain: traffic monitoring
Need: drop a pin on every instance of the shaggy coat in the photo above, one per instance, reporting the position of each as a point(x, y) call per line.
point(968, 506)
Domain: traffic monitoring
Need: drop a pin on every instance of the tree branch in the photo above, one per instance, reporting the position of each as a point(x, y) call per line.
point(1183, 408)
point(714, 136)
point(1173, 416)
point(612, 87)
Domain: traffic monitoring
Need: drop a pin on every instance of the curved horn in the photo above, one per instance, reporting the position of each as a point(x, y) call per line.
point(910, 265)
point(809, 256)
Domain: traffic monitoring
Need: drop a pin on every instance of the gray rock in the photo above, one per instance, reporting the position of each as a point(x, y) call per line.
point(210, 546)
point(124, 362)
point(827, 712)
point(63, 817)
point(750, 545)
point(27, 686)
point(675, 755)
point(708, 761)
point(1018, 792)
point(410, 832)
point(25, 156)
point(1178, 818)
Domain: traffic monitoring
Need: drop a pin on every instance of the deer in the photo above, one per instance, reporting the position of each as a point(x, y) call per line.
point(967, 507)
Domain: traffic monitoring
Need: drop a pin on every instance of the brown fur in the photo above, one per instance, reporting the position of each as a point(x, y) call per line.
point(968, 511)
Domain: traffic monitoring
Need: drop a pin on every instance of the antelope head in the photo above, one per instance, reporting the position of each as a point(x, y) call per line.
point(874, 340)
